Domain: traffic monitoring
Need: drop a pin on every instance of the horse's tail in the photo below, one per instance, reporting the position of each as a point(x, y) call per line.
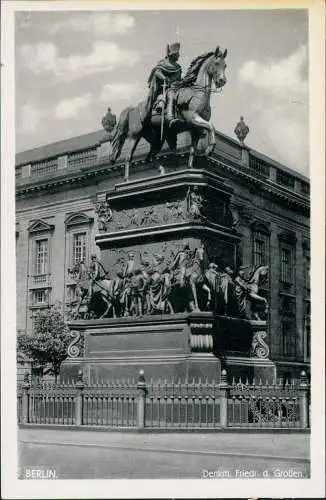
point(119, 134)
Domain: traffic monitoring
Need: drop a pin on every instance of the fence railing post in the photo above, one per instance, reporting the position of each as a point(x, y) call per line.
point(141, 400)
point(304, 400)
point(224, 390)
point(79, 399)
point(25, 399)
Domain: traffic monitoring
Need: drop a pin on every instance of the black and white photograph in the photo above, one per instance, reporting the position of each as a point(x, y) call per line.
point(162, 176)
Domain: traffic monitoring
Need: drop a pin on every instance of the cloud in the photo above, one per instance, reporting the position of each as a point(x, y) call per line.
point(279, 106)
point(30, 117)
point(104, 57)
point(283, 78)
point(70, 108)
point(104, 23)
point(119, 91)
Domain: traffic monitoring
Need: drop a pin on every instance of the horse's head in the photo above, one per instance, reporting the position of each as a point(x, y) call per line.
point(260, 272)
point(216, 67)
point(199, 253)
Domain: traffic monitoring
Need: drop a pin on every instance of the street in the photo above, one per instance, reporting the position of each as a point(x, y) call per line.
point(72, 454)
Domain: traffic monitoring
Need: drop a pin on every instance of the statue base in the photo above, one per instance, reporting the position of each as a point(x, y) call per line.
point(179, 346)
point(164, 346)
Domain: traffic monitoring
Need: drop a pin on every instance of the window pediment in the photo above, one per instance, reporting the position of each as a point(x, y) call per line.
point(39, 225)
point(261, 227)
point(78, 218)
point(288, 237)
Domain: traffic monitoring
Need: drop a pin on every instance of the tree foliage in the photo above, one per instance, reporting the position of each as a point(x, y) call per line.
point(49, 342)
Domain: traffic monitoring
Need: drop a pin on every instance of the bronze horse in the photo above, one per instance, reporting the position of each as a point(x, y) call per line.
point(192, 108)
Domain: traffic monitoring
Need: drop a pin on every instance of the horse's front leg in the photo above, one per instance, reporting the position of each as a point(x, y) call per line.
point(194, 302)
point(200, 123)
point(194, 142)
point(133, 142)
point(209, 294)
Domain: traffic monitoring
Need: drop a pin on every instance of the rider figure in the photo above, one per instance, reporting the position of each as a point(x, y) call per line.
point(96, 272)
point(169, 71)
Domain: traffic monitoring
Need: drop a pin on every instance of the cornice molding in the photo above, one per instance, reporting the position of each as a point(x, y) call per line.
point(237, 170)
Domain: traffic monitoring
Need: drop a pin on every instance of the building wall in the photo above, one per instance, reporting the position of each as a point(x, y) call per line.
point(280, 213)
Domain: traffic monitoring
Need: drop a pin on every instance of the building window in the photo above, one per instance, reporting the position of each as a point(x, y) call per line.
point(41, 256)
point(306, 329)
point(79, 248)
point(259, 251)
point(260, 244)
point(40, 297)
point(286, 266)
point(288, 339)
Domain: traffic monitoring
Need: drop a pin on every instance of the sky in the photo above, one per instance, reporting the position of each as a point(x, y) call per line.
point(70, 66)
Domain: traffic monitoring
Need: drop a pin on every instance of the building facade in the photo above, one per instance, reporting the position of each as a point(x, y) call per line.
point(59, 185)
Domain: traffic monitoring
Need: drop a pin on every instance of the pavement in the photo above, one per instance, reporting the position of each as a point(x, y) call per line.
point(73, 454)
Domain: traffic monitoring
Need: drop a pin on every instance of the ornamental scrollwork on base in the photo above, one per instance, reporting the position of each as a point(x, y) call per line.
point(259, 348)
point(76, 346)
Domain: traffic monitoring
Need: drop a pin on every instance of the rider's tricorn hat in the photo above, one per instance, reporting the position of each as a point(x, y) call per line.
point(173, 48)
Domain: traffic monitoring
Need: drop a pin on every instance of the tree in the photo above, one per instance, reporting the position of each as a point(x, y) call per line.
point(49, 342)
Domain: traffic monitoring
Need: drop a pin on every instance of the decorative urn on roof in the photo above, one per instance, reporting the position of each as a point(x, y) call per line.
point(241, 131)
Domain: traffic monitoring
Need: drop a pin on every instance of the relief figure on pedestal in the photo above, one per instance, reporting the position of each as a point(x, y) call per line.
point(104, 215)
point(246, 291)
point(194, 203)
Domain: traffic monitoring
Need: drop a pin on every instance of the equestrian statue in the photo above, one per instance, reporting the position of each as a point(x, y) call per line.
point(173, 105)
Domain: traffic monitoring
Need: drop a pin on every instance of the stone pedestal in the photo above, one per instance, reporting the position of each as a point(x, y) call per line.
point(164, 346)
point(153, 221)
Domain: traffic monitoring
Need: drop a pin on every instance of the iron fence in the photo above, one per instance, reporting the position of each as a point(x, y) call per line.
point(167, 404)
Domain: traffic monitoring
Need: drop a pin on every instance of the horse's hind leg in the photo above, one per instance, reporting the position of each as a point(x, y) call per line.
point(107, 309)
point(156, 146)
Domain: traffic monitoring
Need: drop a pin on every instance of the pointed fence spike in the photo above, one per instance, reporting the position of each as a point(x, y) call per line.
point(240, 380)
point(253, 381)
point(233, 381)
point(247, 381)
point(260, 381)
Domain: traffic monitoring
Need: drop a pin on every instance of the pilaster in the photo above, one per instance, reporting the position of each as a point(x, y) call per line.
point(299, 287)
point(274, 292)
